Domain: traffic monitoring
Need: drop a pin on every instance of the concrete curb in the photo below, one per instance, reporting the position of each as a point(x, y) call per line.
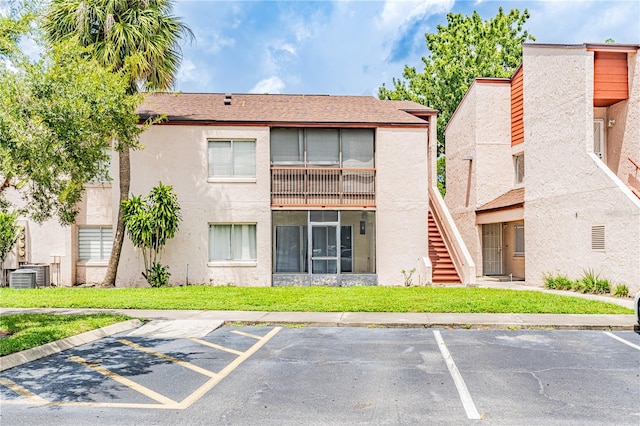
point(23, 357)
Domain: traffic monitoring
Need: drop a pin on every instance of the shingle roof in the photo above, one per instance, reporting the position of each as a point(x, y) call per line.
point(281, 109)
point(513, 198)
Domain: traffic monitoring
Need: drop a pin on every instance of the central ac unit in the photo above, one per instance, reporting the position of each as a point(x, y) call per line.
point(22, 278)
point(43, 275)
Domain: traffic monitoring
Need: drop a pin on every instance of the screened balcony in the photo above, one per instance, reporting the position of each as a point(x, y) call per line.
point(322, 187)
point(322, 167)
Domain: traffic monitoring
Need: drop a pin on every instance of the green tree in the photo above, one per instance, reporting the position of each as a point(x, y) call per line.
point(465, 48)
point(150, 223)
point(58, 116)
point(8, 237)
point(138, 35)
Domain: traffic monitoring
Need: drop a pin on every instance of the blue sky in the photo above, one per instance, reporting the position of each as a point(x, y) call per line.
point(352, 47)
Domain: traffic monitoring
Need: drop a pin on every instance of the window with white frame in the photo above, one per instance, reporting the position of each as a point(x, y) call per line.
point(519, 240)
point(94, 243)
point(232, 242)
point(518, 165)
point(232, 158)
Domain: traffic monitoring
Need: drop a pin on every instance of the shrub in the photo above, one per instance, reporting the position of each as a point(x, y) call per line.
point(563, 283)
point(158, 275)
point(621, 290)
point(559, 282)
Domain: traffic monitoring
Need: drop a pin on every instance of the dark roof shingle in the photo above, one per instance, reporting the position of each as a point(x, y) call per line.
point(281, 109)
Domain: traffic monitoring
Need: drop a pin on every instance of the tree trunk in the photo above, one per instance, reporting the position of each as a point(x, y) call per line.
point(118, 237)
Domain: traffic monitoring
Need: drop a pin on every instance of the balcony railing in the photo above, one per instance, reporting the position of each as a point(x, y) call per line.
point(322, 187)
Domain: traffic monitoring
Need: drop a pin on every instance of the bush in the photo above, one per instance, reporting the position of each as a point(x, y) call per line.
point(590, 282)
point(621, 290)
point(158, 275)
point(559, 282)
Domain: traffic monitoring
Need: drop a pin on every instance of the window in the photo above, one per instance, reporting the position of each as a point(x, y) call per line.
point(348, 148)
point(518, 164)
point(232, 158)
point(519, 243)
point(598, 138)
point(232, 242)
point(103, 174)
point(94, 243)
point(287, 146)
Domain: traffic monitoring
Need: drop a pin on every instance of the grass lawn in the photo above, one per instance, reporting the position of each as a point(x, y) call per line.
point(310, 299)
point(25, 331)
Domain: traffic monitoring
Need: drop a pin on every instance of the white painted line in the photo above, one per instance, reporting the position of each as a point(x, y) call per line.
point(219, 347)
point(242, 333)
point(465, 396)
point(620, 339)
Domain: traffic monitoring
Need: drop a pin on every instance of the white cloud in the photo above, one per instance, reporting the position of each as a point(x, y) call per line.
point(398, 13)
point(189, 73)
point(272, 85)
point(212, 41)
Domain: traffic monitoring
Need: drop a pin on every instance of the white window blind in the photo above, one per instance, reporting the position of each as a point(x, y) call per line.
point(94, 243)
point(323, 146)
point(232, 158)
point(232, 242)
point(357, 148)
point(287, 146)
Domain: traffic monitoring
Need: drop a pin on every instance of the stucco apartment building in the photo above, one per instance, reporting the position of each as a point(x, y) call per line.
point(274, 190)
point(542, 167)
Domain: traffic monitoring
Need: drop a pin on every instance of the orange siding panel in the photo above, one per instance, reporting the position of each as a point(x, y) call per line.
point(610, 78)
point(517, 108)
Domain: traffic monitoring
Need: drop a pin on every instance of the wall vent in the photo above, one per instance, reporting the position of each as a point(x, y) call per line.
point(597, 237)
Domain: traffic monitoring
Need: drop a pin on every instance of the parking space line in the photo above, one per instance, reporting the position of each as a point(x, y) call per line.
point(228, 369)
point(123, 380)
point(22, 391)
point(620, 339)
point(465, 396)
point(29, 398)
point(242, 333)
point(213, 345)
point(169, 358)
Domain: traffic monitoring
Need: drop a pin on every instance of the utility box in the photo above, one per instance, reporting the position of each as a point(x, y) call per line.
point(22, 279)
point(43, 273)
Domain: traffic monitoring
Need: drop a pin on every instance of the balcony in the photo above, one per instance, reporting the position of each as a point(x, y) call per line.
point(322, 187)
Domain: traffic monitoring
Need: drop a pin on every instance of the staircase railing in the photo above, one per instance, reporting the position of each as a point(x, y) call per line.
point(453, 240)
point(635, 188)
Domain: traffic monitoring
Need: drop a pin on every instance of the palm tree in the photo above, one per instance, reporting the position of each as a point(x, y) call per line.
point(137, 36)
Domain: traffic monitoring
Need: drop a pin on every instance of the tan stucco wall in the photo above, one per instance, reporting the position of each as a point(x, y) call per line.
point(480, 128)
point(402, 202)
point(568, 189)
point(178, 156)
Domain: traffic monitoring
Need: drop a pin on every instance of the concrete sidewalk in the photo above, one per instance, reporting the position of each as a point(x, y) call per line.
point(369, 319)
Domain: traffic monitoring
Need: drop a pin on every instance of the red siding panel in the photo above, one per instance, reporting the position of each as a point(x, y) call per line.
point(610, 78)
point(517, 108)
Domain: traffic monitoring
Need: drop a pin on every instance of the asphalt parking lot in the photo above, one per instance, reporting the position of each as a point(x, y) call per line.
point(334, 375)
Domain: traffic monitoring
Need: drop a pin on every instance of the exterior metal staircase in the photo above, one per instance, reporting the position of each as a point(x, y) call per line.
point(444, 270)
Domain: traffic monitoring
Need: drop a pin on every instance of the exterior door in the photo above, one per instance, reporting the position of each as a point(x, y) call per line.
point(324, 249)
point(492, 249)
